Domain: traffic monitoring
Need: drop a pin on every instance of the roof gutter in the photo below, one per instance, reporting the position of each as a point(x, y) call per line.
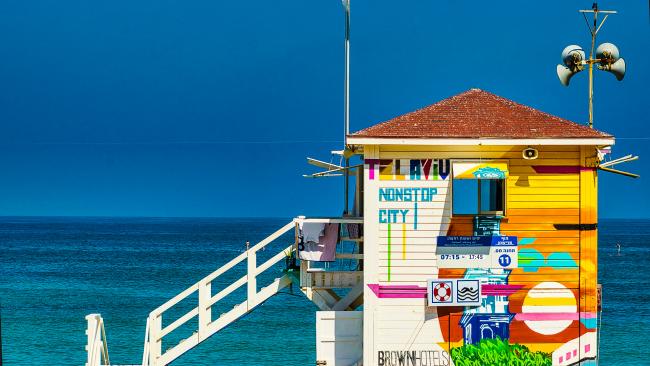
point(597, 141)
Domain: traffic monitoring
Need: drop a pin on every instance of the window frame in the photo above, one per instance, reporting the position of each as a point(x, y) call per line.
point(480, 212)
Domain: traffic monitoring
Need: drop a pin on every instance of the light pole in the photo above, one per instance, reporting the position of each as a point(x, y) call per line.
point(346, 106)
point(607, 58)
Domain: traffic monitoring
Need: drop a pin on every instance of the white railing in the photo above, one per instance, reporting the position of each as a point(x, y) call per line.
point(153, 354)
point(155, 332)
point(96, 348)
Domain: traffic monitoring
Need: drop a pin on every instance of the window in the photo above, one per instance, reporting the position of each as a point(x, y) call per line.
point(478, 196)
point(465, 196)
point(491, 196)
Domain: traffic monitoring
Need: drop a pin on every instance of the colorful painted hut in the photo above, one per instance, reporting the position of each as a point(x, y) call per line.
point(480, 229)
point(473, 240)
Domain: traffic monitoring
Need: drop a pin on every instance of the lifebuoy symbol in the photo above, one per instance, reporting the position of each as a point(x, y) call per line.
point(442, 292)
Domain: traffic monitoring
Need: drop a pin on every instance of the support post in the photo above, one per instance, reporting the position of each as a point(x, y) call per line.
point(346, 192)
point(155, 343)
point(358, 193)
point(96, 347)
point(92, 333)
point(252, 279)
point(205, 311)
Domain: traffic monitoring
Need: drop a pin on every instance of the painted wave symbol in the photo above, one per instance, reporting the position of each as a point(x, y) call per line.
point(468, 294)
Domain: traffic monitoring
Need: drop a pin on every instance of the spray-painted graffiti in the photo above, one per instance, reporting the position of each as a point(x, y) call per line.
point(387, 216)
point(415, 194)
point(531, 260)
point(498, 352)
point(538, 294)
point(404, 194)
point(570, 352)
point(399, 210)
point(408, 169)
point(474, 170)
point(413, 358)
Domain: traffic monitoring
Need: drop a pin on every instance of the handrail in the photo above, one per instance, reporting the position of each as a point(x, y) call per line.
point(175, 300)
point(272, 237)
point(275, 259)
point(223, 269)
point(232, 287)
point(155, 332)
point(332, 220)
point(209, 278)
point(178, 322)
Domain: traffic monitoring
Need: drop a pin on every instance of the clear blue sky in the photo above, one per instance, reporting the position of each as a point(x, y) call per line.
point(208, 108)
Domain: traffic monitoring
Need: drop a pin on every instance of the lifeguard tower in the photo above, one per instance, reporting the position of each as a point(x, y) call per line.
point(480, 222)
point(474, 232)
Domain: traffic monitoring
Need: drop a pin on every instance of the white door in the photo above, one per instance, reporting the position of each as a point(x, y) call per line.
point(339, 338)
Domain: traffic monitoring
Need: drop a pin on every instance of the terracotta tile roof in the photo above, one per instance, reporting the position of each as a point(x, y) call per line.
point(479, 114)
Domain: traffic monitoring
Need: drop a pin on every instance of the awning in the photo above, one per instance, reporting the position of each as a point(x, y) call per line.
point(480, 170)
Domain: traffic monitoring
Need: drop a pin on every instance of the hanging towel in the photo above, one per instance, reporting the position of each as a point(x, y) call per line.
point(311, 231)
point(354, 231)
point(325, 249)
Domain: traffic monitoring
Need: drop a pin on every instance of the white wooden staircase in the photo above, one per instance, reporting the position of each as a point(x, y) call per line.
point(155, 333)
point(201, 293)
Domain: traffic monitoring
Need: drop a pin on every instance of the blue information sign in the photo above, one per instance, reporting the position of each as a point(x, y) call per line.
point(499, 251)
point(477, 241)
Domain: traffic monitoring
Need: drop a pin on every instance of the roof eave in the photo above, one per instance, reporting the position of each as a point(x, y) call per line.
point(567, 141)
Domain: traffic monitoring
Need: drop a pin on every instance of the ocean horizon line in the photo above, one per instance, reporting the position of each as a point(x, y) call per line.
point(223, 217)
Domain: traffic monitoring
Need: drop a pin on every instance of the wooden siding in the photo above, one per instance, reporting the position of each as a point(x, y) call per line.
point(545, 209)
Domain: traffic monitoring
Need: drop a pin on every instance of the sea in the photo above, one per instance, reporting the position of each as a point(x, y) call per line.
point(56, 270)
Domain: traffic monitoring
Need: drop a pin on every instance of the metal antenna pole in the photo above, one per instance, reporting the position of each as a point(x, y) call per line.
point(346, 105)
point(593, 30)
point(346, 5)
point(591, 67)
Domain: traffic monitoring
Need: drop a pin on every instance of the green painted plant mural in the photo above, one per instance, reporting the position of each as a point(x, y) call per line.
point(497, 352)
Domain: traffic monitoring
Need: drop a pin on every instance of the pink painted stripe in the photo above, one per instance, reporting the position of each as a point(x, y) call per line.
point(560, 169)
point(415, 291)
point(399, 291)
point(402, 296)
point(500, 290)
point(554, 316)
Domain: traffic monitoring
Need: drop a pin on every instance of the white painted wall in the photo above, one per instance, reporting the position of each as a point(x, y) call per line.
point(339, 337)
point(395, 326)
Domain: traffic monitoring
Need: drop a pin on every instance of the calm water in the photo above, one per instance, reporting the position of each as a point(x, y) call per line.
point(54, 271)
